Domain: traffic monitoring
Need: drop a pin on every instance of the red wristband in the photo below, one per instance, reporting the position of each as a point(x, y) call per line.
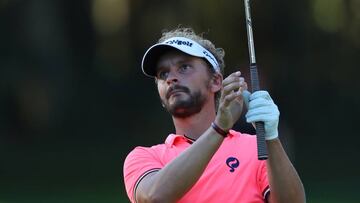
point(219, 130)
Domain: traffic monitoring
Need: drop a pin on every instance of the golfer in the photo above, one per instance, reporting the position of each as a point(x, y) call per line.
point(204, 160)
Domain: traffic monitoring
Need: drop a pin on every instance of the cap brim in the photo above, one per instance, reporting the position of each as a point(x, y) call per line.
point(151, 58)
point(182, 44)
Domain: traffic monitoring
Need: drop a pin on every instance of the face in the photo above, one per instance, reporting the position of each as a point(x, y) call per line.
point(184, 83)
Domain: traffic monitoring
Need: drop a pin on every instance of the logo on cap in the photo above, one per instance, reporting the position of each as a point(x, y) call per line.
point(210, 56)
point(180, 42)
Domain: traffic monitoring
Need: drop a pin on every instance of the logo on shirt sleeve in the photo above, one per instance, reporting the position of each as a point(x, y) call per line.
point(232, 163)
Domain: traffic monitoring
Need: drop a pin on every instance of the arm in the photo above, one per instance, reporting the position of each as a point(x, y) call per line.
point(177, 177)
point(285, 184)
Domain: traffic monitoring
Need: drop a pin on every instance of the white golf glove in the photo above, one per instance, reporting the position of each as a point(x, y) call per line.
point(262, 108)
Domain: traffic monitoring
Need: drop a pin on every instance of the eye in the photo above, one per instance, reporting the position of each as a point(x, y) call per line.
point(184, 68)
point(162, 75)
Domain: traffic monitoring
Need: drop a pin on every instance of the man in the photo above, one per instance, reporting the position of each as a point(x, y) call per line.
point(206, 161)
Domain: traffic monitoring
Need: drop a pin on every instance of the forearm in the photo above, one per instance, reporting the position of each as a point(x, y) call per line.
point(177, 177)
point(285, 184)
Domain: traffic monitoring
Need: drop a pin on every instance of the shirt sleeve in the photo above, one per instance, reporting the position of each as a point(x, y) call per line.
point(263, 181)
point(139, 163)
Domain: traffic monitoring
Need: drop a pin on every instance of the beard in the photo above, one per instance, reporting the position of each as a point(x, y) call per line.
point(184, 107)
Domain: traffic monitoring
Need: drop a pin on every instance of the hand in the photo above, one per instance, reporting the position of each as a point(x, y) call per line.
point(231, 101)
point(262, 108)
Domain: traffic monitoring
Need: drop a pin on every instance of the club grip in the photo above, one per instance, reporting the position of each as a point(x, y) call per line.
point(260, 138)
point(260, 129)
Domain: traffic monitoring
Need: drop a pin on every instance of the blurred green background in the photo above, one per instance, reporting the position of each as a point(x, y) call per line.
point(74, 102)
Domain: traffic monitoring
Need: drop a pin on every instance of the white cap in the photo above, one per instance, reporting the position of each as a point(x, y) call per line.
point(183, 44)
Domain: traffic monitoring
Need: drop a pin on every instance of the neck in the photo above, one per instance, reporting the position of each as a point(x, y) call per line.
point(194, 126)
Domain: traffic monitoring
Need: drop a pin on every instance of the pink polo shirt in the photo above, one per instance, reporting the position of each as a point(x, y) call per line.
point(233, 175)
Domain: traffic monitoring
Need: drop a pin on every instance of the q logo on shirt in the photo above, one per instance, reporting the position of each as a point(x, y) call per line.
point(232, 163)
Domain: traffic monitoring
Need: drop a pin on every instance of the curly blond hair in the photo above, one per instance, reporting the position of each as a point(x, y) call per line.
point(189, 33)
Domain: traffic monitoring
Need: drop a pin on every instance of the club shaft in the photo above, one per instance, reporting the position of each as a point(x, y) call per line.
point(249, 32)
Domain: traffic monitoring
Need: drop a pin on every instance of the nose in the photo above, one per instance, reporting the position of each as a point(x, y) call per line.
point(172, 77)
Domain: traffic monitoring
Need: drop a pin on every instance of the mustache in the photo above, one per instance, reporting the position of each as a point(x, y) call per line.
point(176, 88)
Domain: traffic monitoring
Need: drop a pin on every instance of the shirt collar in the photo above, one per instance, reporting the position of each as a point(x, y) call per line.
point(174, 139)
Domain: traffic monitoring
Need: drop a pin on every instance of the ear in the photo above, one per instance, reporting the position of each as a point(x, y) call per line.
point(216, 82)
